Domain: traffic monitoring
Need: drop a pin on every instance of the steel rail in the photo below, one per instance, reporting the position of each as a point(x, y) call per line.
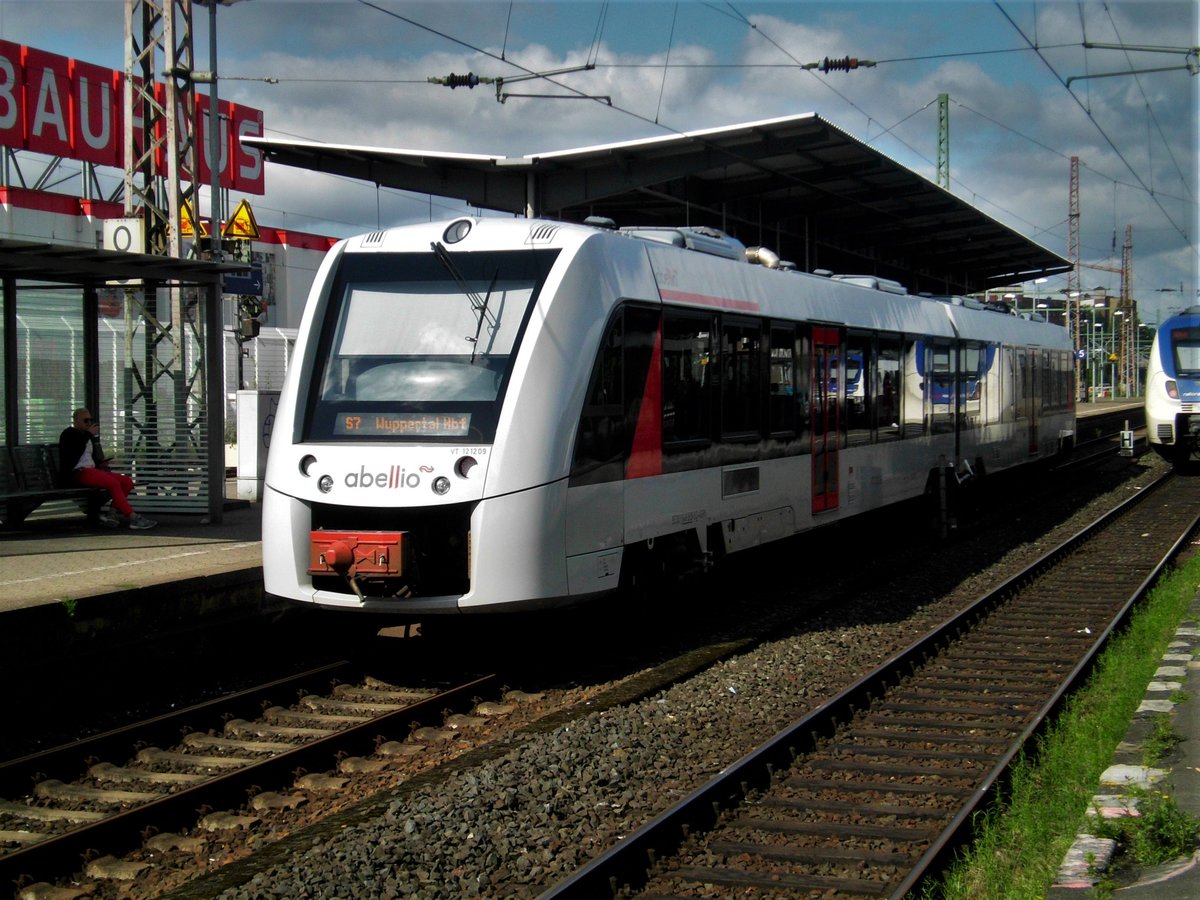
point(124, 831)
point(627, 863)
point(67, 761)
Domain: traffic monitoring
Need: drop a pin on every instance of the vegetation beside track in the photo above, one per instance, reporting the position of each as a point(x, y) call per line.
point(1022, 842)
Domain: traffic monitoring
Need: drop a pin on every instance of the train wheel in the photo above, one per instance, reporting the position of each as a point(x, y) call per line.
point(649, 568)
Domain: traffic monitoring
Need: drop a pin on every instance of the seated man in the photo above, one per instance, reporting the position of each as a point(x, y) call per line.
point(84, 464)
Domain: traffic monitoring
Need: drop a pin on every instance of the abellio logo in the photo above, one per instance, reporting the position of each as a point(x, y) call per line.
point(393, 478)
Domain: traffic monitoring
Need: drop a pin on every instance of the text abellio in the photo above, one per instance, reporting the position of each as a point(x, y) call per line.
point(394, 477)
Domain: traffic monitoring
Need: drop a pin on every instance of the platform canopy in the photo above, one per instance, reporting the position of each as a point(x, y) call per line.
point(798, 184)
point(73, 264)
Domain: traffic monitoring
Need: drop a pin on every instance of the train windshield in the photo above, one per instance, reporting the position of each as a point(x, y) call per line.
point(419, 346)
point(1187, 351)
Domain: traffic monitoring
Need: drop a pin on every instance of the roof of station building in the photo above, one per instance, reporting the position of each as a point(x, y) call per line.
point(816, 195)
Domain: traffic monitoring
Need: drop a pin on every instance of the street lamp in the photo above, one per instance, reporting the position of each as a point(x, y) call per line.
point(1116, 329)
point(1137, 368)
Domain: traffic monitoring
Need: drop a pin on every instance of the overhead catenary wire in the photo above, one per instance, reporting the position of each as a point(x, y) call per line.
point(732, 13)
point(1091, 118)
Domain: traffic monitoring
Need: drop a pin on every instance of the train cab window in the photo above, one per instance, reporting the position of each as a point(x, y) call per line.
point(688, 372)
point(858, 371)
point(1185, 345)
point(887, 388)
point(741, 382)
point(414, 347)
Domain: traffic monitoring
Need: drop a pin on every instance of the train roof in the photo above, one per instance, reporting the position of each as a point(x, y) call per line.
point(817, 195)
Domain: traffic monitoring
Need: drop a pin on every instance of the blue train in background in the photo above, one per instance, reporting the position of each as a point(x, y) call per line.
point(1173, 388)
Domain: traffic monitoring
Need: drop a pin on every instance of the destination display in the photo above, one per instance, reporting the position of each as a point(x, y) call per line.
point(371, 424)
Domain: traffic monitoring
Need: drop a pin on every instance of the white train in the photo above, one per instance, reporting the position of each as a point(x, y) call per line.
point(1173, 388)
point(499, 414)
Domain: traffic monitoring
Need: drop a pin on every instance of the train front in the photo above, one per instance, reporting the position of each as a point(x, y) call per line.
point(406, 371)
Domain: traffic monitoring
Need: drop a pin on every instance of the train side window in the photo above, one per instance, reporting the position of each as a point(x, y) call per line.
point(1021, 386)
point(781, 401)
point(1046, 370)
point(888, 392)
point(970, 384)
point(1008, 386)
point(1066, 379)
point(601, 435)
point(912, 399)
point(688, 373)
point(858, 369)
point(803, 406)
point(610, 408)
point(741, 381)
point(939, 388)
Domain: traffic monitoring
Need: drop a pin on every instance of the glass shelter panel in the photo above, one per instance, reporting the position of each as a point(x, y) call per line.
point(51, 369)
point(153, 402)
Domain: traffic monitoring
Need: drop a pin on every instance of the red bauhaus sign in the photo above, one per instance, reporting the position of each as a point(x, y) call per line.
point(63, 107)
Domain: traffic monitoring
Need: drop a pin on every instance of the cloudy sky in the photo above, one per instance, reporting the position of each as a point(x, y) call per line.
point(1025, 96)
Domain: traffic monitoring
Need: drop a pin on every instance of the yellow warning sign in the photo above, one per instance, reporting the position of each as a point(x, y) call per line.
point(241, 225)
point(187, 222)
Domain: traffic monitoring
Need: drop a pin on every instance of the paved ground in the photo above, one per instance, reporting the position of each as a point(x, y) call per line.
point(50, 560)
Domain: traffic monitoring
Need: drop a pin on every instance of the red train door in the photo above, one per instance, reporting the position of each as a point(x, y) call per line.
point(826, 428)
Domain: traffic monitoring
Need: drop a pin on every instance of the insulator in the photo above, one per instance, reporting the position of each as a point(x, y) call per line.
point(468, 81)
point(845, 64)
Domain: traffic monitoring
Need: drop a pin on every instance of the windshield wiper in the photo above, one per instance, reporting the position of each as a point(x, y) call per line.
point(483, 311)
point(478, 304)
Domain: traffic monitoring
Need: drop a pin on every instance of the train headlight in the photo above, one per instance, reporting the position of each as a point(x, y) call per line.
point(1173, 390)
point(325, 484)
point(464, 466)
point(456, 231)
point(441, 484)
point(305, 463)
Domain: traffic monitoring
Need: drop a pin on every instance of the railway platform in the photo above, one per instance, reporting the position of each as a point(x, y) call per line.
point(1085, 864)
point(68, 589)
point(60, 559)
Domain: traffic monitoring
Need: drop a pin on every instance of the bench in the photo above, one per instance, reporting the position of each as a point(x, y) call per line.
point(30, 476)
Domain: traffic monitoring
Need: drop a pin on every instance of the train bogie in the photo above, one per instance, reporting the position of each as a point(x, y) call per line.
point(495, 414)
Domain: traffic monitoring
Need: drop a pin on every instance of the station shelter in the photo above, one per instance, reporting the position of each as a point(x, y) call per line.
point(155, 322)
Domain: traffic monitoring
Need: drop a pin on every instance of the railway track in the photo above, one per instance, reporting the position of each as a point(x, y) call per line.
point(870, 793)
point(230, 719)
point(100, 796)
